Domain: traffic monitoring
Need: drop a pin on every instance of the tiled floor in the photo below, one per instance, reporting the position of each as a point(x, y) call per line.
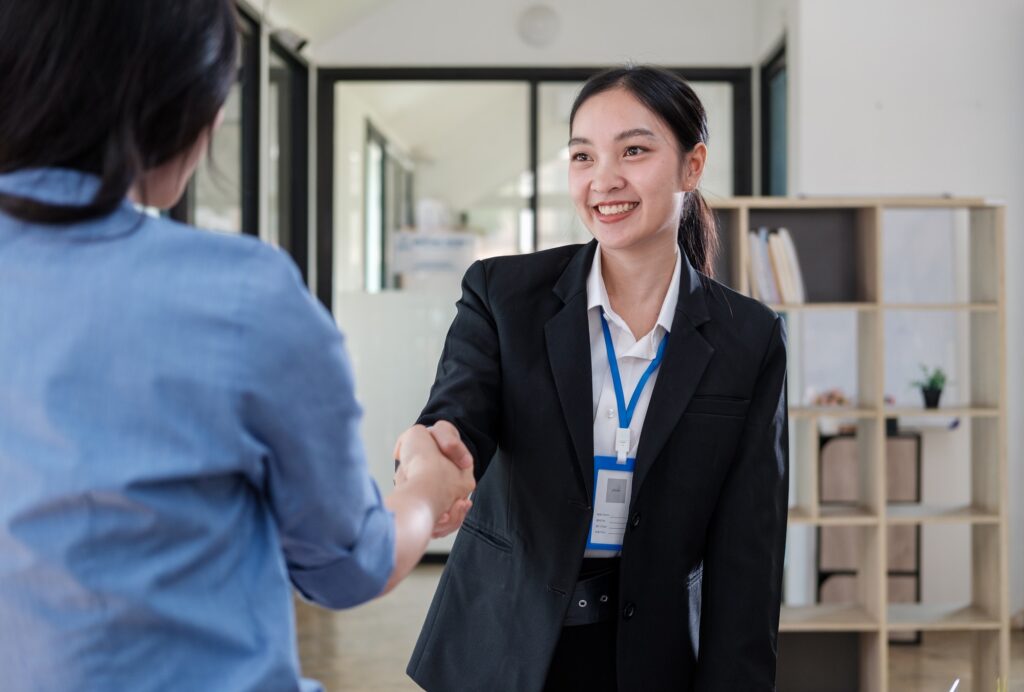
point(366, 649)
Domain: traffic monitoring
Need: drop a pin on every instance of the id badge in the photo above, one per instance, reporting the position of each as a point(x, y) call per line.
point(613, 483)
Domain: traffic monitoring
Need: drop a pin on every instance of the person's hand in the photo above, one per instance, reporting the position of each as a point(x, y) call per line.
point(451, 520)
point(445, 483)
point(450, 443)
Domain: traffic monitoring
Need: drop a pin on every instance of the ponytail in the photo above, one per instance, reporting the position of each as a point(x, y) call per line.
point(698, 233)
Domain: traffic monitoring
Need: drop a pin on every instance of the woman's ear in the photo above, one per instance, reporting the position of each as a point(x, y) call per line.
point(693, 166)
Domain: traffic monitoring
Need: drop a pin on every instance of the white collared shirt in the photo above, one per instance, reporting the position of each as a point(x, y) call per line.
point(632, 355)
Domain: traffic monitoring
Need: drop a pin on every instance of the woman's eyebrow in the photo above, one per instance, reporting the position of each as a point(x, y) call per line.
point(626, 134)
point(635, 132)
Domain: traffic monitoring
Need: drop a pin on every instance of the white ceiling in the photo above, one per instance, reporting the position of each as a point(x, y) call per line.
point(317, 20)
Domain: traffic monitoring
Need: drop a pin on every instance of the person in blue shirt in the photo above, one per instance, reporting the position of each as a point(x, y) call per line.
point(179, 433)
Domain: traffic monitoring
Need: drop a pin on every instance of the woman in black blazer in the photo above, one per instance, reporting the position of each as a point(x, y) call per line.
point(668, 575)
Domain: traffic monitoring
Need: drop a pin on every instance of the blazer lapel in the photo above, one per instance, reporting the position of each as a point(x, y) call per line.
point(568, 343)
point(686, 357)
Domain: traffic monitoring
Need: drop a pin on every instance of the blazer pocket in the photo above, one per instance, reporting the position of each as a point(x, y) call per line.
point(718, 406)
point(487, 536)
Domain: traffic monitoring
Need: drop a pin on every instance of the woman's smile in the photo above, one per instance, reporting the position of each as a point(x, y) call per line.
point(611, 212)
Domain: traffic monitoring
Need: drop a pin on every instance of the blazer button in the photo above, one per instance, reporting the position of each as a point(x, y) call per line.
point(629, 611)
point(636, 520)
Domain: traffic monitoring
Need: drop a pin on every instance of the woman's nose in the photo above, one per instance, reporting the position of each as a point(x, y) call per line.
point(606, 178)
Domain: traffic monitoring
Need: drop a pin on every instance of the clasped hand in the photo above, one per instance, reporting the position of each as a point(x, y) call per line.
point(437, 458)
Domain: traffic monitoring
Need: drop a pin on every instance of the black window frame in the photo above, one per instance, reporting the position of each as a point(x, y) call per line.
point(293, 168)
point(770, 68)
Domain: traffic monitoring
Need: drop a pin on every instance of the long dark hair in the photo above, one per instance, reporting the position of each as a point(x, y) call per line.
point(108, 87)
point(674, 101)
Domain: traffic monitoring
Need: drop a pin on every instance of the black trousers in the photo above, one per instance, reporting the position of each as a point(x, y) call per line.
point(584, 659)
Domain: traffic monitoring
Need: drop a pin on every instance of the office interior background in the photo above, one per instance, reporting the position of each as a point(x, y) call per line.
point(386, 144)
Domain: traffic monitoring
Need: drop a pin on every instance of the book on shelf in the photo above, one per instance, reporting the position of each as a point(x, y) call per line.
point(799, 290)
point(762, 280)
point(774, 268)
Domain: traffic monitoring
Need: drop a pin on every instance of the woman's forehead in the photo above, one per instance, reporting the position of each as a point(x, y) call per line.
point(613, 113)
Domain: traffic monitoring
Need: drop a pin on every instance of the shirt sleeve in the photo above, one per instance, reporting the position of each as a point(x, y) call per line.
point(299, 409)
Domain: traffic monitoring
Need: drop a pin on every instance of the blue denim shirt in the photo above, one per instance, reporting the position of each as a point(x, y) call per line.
point(178, 439)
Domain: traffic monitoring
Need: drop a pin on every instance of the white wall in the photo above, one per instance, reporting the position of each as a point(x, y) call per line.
point(469, 32)
point(919, 96)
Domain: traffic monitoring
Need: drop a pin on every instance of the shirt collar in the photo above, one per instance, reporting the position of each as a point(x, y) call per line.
point(64, 186)
point(597, 296)
point(50, 185)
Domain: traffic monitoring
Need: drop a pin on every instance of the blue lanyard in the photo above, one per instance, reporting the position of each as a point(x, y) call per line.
point(626, 413)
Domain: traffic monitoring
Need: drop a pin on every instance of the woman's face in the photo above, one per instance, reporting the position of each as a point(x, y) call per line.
point(627, 172)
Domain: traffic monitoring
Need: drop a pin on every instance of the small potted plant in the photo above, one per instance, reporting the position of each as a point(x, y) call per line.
point(931, 384)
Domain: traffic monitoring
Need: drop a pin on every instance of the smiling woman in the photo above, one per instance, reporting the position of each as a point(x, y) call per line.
point(627, 416)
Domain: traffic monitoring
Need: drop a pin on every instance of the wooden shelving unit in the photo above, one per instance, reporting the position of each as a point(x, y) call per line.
point(840, 245)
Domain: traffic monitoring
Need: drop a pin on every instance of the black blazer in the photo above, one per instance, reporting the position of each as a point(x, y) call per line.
point(709, 500)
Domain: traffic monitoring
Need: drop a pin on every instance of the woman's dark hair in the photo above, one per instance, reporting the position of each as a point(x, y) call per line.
point(108, 87)
point(674, 101)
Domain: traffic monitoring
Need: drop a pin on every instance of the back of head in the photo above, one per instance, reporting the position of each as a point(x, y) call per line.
point(108, 87)
point(675, 102)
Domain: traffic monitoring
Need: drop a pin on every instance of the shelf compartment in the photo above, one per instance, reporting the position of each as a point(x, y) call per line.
point(976, 663)
point(944, 255)
point(843, 355)
point(851, 474)
point(843, 243)
point(733, 252)
point(962, 473)
point(904, 617)
point(964, 344)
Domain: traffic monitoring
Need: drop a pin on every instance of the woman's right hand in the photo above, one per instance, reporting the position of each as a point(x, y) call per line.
point(437, 463)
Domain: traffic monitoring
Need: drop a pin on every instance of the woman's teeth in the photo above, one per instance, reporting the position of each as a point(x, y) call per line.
point(610, 209)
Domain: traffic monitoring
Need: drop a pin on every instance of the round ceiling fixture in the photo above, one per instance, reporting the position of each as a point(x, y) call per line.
point(538, 25)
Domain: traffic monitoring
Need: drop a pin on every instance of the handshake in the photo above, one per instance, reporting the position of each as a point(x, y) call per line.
point(434, 464)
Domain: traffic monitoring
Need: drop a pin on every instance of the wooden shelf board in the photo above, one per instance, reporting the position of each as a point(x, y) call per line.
point(932, 514)
point(835, 202)
point(904, 617)
point(840, 515)
point(971, 307)
point(800, 515)
point(822, 307)
point(942, 412)
point(831, 515)
point(826, 618)
point(831, 412)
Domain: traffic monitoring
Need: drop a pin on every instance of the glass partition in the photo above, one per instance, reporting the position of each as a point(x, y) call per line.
point(428, 176)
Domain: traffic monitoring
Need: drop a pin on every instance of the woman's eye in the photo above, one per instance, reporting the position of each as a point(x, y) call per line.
point(634, 151)
point(580, 156)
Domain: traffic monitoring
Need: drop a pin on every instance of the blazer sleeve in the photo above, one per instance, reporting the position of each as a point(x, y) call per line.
point(743, 559)
point(467, 388)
